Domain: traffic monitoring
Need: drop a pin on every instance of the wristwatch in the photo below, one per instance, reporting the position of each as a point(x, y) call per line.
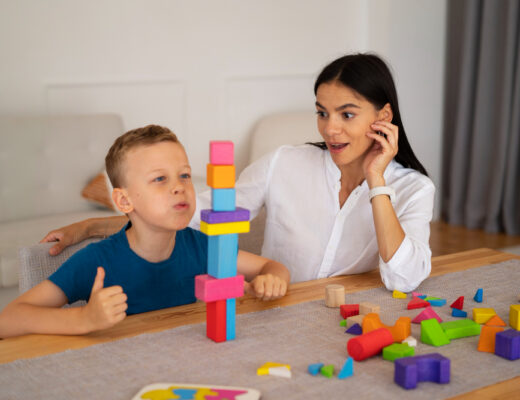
point(376, 191)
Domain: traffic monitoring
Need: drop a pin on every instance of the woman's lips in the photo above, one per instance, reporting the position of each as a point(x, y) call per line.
point(337, 147)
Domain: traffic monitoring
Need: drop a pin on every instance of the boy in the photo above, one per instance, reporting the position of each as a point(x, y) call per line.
point(150, 264)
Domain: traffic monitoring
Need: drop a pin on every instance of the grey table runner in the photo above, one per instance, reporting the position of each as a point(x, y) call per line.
point(297, 335)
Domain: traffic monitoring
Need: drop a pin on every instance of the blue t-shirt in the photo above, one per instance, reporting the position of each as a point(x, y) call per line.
point(149, 286)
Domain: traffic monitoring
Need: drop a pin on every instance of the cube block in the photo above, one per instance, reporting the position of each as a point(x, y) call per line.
point(223, 199)
point(507, 344)
point(221, 152)
point(349, 310)
point(209, 289)
point(220, 176)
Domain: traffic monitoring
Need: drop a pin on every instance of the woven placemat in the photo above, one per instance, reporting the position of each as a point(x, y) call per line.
point(297, 335)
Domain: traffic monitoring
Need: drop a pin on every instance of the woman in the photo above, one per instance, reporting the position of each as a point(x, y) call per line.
point(357, 200)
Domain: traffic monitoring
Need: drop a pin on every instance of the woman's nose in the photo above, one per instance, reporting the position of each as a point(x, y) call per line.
point(332, 126)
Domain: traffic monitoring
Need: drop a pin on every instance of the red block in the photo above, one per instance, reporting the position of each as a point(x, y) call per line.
point(416, 302)
point(369, 344)
point(459, 303)
point(216, 320)
point(349, 310)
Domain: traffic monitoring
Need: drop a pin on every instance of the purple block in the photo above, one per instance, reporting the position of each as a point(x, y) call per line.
point(431, 367)
point(507, 344)
point(219, 217)
point(355, 330)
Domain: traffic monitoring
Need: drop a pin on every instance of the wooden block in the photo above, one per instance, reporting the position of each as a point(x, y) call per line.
point(225, 228)
point(514, 316)
point(355, 319)
point(216, 320)
point(220, 176)
point(334, 295)
point(486, 341)
point(221, 152)
point(221, 217)
point(482, 315)
point(222, 255)
point(223, 199)
point(210, 289)
point(366, 308)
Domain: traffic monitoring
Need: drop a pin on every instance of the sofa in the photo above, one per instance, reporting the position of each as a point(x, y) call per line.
point(55, 157)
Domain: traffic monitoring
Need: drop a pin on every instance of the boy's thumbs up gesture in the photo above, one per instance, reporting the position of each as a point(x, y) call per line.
point(106, 306)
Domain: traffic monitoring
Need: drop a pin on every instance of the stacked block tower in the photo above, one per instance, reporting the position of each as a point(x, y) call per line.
point(220, 287)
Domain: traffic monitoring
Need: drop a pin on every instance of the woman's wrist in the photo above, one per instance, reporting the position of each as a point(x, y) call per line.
point(374, 181)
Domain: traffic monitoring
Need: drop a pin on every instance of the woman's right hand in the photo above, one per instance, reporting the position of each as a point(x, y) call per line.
point(66, 236)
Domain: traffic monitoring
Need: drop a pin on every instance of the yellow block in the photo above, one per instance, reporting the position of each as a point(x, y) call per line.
point(220, 176)
point(264, 369)
point(482, 315)
point(398, 295)
point(514, 316)
point(224, 228)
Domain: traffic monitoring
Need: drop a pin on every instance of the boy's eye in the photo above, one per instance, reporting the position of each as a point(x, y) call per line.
point(185, 176)
point(159, 179)
point(321, 114)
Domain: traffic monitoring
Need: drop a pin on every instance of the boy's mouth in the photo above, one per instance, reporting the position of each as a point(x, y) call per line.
point(337, 147)
point(181, 206)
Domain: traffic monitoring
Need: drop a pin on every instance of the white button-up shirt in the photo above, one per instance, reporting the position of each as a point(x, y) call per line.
point(308, 231)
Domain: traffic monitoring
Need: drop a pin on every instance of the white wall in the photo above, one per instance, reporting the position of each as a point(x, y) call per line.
point(210, 69)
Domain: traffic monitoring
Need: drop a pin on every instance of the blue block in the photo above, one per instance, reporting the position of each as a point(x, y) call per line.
point(314, 369)
point(478, 296)
point(437, 302)
point(347, 369)
point(222, 255)
point(230, 318)
point(458, 313)
point(223, 199)
point(422, 296)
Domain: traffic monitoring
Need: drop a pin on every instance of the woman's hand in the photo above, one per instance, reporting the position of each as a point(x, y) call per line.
point(66, 236)
point(381, 153)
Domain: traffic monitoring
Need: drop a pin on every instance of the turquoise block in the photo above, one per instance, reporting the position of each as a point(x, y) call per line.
point(437, 302)
point(478, 295)
point(222, 255)
point(458, 313)
point(314, 369)
point(223, 199)
point(347, 369)
point(230, 318)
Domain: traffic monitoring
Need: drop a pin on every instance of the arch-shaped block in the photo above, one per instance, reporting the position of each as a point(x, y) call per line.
point(431, 367)
point(400, 331)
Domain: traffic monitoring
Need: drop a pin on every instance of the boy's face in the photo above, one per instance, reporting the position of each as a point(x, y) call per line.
point(158, 185)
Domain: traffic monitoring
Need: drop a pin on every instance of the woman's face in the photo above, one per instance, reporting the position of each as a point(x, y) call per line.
point(344, 118)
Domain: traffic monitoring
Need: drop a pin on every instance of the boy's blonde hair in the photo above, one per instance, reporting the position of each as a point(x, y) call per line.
point(147, 135)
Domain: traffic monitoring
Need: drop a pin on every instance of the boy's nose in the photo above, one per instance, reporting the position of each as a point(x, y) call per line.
point(178, 188)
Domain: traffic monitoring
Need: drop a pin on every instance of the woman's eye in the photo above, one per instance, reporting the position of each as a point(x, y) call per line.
point(159, 179)
point(185, 176)
point(321, 114)
point(348, 115)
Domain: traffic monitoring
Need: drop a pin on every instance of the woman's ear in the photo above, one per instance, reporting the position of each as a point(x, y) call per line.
point(122, 201)
point(386, 113)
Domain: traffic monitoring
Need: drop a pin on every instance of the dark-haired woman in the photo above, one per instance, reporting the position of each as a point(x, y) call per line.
point(356, 201)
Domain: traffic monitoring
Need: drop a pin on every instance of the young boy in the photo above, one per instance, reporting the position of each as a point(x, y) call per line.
point(150, 264)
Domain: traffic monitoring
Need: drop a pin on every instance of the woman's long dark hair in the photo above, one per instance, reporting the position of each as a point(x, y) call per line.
point(368, 75)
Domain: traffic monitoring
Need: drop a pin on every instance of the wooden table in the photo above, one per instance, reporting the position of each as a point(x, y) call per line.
point(37, 345)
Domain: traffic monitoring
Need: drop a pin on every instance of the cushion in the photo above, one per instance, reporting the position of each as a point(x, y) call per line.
point(99, 191)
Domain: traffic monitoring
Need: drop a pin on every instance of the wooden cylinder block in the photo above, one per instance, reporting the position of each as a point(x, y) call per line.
point(334, 295)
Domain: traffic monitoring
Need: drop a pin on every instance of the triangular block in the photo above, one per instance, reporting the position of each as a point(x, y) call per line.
point(495, 320)
point(416, 294)
point(422, 296)
point(347, 369)
point(458, 304)
point(427, 313)
point(455, 312)
point(416, 302)
point(432, 333)
point(478, 295)
point(398, 295)
point(314, 369)
point(355, 330)
point(327, 370)
point(486, 341)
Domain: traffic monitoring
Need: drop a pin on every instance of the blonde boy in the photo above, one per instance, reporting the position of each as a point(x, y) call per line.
point(150, 264)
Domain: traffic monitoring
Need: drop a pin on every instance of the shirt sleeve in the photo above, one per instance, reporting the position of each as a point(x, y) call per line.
point(251, 188)
point(411, 263)
point(76, 275)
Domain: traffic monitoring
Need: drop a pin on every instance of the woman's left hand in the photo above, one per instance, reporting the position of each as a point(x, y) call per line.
point(383, 150)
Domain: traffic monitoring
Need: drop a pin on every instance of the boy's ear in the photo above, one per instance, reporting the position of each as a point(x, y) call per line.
point(122, 201)
point(386, 113)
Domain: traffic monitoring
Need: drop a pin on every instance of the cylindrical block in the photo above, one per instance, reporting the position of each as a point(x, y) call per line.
point(334, 295)
point(369, 344)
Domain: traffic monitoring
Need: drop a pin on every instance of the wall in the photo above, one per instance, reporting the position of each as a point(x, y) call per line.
point(211, 69)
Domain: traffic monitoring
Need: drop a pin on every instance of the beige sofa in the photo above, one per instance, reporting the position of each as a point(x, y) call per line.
point(55, 157)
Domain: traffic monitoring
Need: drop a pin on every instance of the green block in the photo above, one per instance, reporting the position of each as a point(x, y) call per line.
point(397, 350)
point(327, 370)
point(432, 333)
point(432, 298)
point(460, 328)
point(343, 322)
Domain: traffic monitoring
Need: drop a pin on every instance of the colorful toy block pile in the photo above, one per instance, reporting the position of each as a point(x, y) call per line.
point(222, 223)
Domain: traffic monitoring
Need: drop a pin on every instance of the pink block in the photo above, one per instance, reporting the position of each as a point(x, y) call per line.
point(221, 152)
point(427, 313)
point(416, 294)
point(210, 289)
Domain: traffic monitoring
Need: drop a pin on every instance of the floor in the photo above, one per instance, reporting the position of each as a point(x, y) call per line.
point(444, 239)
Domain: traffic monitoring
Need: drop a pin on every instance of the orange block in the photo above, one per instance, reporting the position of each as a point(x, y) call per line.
point(220, 176)
point(487, 338)
point(400, 331)
point(495, 320)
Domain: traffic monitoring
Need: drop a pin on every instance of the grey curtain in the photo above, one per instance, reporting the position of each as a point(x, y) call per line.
point(481, 148)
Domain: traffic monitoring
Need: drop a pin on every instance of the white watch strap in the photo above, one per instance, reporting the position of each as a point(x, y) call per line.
point(376, 191)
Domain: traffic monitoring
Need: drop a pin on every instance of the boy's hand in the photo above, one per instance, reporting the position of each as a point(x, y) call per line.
point(266, 287)
point(106, 306)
